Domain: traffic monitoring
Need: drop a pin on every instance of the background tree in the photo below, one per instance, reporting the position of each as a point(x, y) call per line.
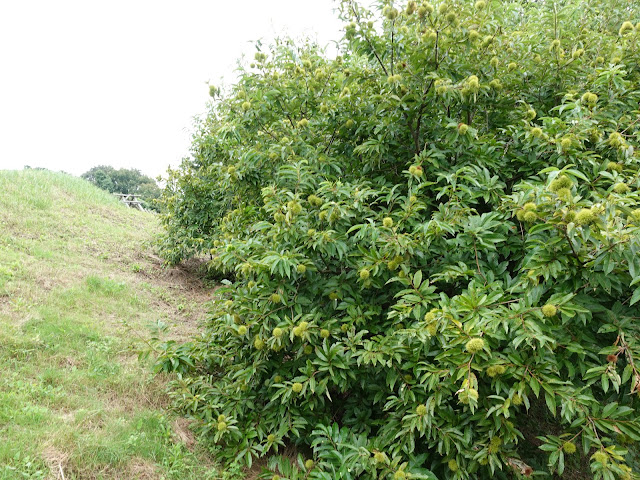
point(125, 181)
point(432, 244)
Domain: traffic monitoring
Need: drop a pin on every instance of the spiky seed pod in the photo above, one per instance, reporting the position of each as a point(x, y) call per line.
point(531, 114)
point(564, 194)
point(430, 316)
point(246, 106)
point(213, 90)
point(463, 128)
point(324, 333)
point(349, 123)
point(387, 222)
point(577, 53)
point(324, 108)
point(258, 343)
point(412, 5)
point(600, 457)
point(536, 132)
point(480, 4)
point(529, 207)
point(565, 144)
point(549, 310)
point(277, 332)
point(417, 170)
point(512, 66)
point(301, 268)
point(231, 170)
point(399, 475)
point(495, 444)
point(495, 84)
point(555, 45)
point(612, 358)
point(278, 217)
point(364, 274)
point(560, 182)
point(616, 140)
point(516, 400)
point(429, 36)
point(621, 188)
point(625, 27)
point(473, 35)
point(242, 330)
point(585, 217)
point(303, 123)
point(271, 438)
point(614, 167)
point(297, 387)
point(275, 298)
point(474, 345)
point(432, 329)
point(495, 370)
point(421, 410)
point(334, 296)
point(379, 457)
point(294, 207)
point(222, 426)
point(599, 60)
point(473, 83)
point(569, 447)
point(452, 18)
point(443, 8)
point(520, 215)
point(453, 465)
point(277, 379)
point(530, 217)
point(589, 99)
point(635, 214)
point(494, 62)
point(616, 60)
point(308, 350)
point(570, 216)
point(315, 200)
point(391, 13)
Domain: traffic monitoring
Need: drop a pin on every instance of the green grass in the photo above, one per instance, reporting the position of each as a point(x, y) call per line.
point(78, 288)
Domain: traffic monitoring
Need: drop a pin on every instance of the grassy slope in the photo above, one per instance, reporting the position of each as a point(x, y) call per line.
point(74, 401)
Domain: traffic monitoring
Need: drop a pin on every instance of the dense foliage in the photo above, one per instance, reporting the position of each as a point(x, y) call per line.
point(125, 180)
point(432, 245)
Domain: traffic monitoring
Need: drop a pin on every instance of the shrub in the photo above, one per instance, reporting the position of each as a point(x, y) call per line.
point(469, 263)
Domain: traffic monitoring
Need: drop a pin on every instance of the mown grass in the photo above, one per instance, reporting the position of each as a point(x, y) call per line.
point(78, 289)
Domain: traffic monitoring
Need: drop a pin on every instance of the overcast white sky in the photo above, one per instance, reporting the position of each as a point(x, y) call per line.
point(87, 82)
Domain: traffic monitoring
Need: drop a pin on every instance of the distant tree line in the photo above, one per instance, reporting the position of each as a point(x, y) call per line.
point(125, 180)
